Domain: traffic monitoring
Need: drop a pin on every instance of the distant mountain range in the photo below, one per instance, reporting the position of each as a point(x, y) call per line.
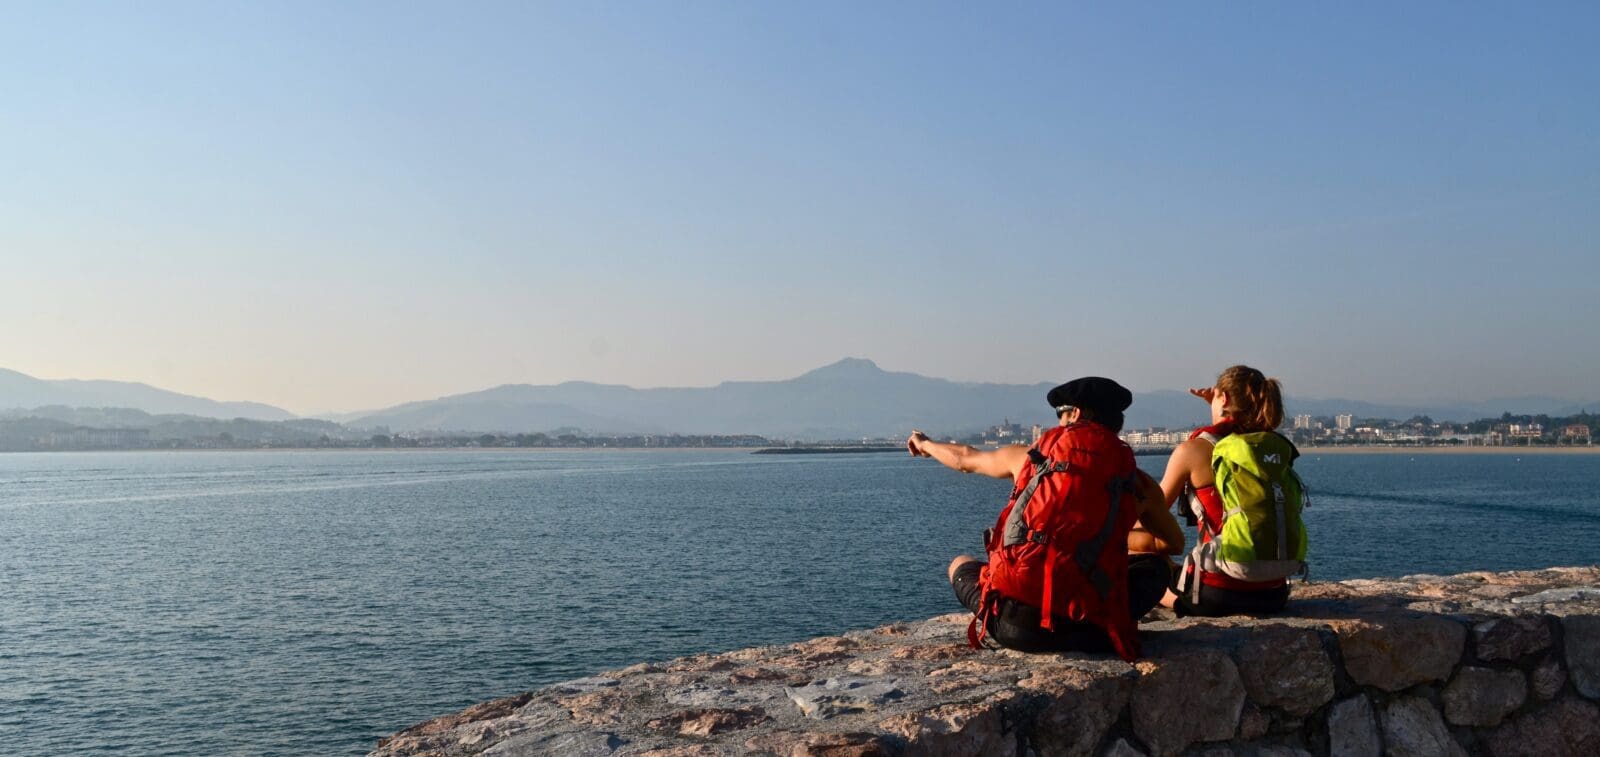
point(848, 399)
point(18, 390)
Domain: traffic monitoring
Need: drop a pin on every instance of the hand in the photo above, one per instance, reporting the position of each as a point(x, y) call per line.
point(914, 444)
point(1206, 394)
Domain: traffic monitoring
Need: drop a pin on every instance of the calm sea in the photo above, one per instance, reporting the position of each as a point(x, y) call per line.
point(308, 603)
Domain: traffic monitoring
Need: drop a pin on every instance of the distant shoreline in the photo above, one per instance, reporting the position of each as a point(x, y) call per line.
point(348, 450)
point(768, 450)
point(1435, 450)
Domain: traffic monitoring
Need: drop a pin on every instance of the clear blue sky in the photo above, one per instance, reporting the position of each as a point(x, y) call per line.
point(339, 206)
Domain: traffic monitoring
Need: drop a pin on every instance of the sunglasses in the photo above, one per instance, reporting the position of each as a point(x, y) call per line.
point(1063, 410)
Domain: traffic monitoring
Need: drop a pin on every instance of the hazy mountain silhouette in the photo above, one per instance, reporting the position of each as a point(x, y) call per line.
point(19, 390)
point(848, 399)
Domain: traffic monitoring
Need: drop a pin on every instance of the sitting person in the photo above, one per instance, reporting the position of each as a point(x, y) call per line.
point(1243, 402)
point(1059, 575)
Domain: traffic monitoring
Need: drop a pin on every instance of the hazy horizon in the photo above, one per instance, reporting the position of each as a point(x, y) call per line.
point(337, 412)
point(333, 208)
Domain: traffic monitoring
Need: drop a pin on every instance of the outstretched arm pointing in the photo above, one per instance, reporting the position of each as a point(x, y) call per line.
point(1004, 462)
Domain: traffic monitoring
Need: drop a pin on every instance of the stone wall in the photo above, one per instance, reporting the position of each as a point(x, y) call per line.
point(1480, 663)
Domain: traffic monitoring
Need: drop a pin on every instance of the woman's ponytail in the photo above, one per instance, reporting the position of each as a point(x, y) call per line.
point(1269, 405)
point(1255, 402)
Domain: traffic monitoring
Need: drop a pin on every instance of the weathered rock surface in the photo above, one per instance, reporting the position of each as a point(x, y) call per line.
point(839, 696)
point(956, 729)
point(1413, 728)
point(1568, 728)
point(1121, 748)
point(1484, 696)
point(1286, 668)
point(1353, 729)
point(1547, 678)
point(1398, 651)
point(1510, 638)
point(1480, 663)
point(1081, 708)
point(1583, 653)
point(1253, 723)
point(1188, 698)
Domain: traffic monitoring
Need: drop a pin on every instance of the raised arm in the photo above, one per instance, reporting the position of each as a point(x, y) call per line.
point(1005, 462)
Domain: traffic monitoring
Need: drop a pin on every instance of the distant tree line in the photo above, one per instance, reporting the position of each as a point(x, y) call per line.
point(1550, 424)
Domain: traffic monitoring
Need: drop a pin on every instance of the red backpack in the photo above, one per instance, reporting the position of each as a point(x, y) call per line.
point(1060, 544)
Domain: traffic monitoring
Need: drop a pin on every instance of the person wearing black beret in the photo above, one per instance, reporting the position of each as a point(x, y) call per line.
point(1089, 408)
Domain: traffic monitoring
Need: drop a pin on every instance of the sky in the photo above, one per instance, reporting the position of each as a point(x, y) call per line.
point(340, 206)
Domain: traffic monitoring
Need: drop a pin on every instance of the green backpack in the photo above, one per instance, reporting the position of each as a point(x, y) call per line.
point(1263, 537)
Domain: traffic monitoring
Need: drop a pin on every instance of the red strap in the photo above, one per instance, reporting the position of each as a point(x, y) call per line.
point(978, 627)
point(1046, 617)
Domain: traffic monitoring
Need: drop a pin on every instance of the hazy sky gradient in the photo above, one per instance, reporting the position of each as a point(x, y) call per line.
point(341, 206)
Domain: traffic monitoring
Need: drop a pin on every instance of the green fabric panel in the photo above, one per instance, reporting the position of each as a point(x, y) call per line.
point(1246, 466)
point(1237, 542)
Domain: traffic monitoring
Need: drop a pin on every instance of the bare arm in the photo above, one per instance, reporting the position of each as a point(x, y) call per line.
point(1005, 462)
point(1186, 459)
point(1157, 530)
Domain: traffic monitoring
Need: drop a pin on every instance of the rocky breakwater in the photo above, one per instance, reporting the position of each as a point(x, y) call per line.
point(1480, 663)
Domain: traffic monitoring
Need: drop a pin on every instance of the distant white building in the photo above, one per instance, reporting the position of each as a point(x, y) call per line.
point(1344, 422)
point(1302, 421)
point(1153, 438)
point(1530, 429)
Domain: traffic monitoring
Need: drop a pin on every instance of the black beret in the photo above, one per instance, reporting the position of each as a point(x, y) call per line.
point(1091, 393)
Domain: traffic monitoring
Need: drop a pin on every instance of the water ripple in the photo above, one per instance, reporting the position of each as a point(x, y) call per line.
point(308, 603)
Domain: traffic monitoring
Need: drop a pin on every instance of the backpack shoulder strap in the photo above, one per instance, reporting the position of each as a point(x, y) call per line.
point(1017, 530)
point(1294, 452)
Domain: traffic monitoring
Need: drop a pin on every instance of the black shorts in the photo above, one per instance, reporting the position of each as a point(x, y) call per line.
point(1216, 602)
point(1016, 625)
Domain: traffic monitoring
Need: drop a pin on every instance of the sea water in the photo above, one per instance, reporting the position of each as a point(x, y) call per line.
point(311, 602)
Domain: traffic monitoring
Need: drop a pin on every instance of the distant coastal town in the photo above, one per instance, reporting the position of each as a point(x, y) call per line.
point(1347, 430)
point(66, 429)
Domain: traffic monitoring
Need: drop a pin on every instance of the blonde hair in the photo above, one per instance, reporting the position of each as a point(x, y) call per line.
point(1255, 402)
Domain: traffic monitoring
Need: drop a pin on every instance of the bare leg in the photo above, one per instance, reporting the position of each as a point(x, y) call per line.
point(1169, 599)
point(960, 560)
